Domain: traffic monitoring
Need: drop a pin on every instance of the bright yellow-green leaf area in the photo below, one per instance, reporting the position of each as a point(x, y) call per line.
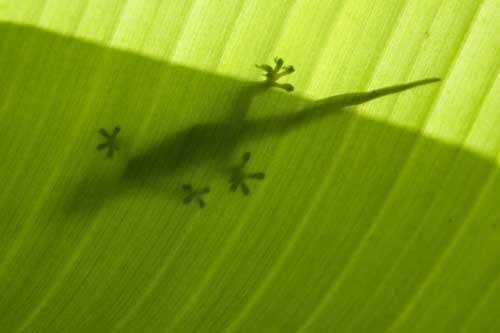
point(384, 217)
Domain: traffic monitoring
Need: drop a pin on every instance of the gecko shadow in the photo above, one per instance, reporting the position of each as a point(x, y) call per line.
point(213, 144)
point(230, 115)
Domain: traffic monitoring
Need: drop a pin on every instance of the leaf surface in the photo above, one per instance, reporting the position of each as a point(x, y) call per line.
point(382, 217)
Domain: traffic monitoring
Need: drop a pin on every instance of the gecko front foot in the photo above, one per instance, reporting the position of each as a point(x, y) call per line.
point(111, 142)
point(195, 194)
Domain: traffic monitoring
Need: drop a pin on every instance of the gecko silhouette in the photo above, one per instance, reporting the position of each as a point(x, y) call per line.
point(214, 143)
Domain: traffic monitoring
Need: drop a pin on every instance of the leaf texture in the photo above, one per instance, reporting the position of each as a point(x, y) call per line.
point(379, 218)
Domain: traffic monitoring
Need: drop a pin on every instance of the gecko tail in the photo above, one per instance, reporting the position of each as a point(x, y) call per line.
point(345, 100)
point(401, 87)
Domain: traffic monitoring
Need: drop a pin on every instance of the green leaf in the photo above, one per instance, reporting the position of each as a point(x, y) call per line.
point(374, 217)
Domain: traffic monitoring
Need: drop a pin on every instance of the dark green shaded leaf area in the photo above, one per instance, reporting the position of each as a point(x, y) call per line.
point(358, 225)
